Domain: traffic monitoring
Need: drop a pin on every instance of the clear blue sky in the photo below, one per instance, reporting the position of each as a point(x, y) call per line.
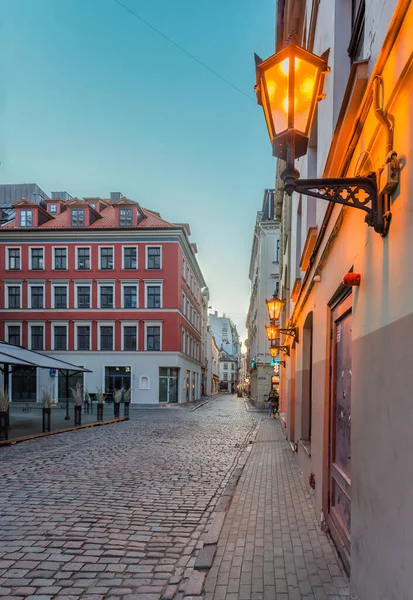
point(93, 101)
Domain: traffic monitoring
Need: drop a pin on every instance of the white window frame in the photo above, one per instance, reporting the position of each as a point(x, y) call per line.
point(77, 210)
point(107, 284)
point(6, 293)
point(83, 284)
point(53, 257)
point(153, 324)
point(13, 324)
point(36, 324)
point(76, 257)
point(153, 283)
point(60, 324)
point(30, 257)
point(183, 341)
point(25, 210)
point(49, 206)
point(60, 284)
point(8, 248)
point(123, 257)
point(129, 324)
point(107, 324)
point(83, 324)
point(146, 256)
point(104, 247)
point(130, 284)
point(29, 294)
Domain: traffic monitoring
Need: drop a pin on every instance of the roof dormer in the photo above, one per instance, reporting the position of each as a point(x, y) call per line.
point(29, 214)
point(128, 213)
point(81, 213)
point(96, 203)
point(55, 207)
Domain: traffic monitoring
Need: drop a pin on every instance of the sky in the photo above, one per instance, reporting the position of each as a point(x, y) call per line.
point(93, 101)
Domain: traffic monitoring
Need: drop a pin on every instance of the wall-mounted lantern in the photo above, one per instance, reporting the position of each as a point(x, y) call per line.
point(289, 85)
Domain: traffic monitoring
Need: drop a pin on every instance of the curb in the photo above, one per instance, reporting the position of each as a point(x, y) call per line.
point(206, 402)
point(27, 438)
point(205, 559)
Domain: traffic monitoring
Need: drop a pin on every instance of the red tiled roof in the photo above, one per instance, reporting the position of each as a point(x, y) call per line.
point(107, 220)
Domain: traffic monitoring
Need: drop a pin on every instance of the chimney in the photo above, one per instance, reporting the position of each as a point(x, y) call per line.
point(216, 313)
point(114, 196)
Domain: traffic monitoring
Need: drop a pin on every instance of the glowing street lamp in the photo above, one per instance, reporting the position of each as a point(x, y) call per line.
point(289, 85)
point(274, 307)
point(272, 332)
point(273, 352)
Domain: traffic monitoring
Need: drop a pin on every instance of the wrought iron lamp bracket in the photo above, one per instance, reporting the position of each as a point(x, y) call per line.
point(356, 192)
point(291, 331)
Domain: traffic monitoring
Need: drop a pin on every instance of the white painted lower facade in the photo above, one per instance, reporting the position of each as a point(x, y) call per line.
point(144, 374)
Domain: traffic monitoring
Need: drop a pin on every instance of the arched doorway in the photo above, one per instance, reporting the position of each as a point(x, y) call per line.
point(307, 379)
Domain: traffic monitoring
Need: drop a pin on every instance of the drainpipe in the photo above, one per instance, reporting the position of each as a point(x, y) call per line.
point(379, 113)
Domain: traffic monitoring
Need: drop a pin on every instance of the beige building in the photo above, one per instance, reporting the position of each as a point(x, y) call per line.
point(347, 388)
point(264, 278)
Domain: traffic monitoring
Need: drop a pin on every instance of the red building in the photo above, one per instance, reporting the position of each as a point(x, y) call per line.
point(108, 285)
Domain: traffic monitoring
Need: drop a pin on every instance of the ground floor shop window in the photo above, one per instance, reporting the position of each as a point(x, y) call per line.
point(24, 385)
point(117, 378)
point(168, 384)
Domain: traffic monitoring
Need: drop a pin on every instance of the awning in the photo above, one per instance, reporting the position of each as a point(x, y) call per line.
point(17, 355)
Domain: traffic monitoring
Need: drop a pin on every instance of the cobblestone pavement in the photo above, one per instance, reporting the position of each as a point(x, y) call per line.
point(271, 546)
point(117, 511)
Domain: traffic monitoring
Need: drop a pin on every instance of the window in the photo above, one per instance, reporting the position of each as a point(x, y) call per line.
point(13, 259)
point(83, 296)
point(183, 303)
point(52, 209)
point(92, 205)
point(225, 376)
point(106, 258)
point(153, 296)
point(83, 337)
point(356, 46)
point(183, 268)
point(83, 259)
point(106, 337)
point(153, 257)
point(125, 216)
point(129, 337)
point(37, 259)
point(277, 252)
point(106, 296)
point(130, 296)
point(13, 332)
point(153, 337)
point(60, 296)
point(60, 337)
point(26, 218)
point(60, 259)
point(130, 258)
point(37, 337)
point(225, 366)
point(14, 296)
point(77, 217)
point(36, 296)
point(183, 341)
point(232, 366)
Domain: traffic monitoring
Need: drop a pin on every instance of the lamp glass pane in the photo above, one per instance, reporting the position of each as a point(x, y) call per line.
point(306, 77)
point(274, 307)
point(276, 84)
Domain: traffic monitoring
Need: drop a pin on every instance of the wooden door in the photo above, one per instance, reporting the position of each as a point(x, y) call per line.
point(340, 429)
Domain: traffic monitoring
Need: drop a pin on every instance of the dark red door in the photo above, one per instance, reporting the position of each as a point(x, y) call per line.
point(340, 429)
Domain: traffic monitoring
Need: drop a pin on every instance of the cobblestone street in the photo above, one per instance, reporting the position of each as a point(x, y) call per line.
point(122, 511)
point(118, 510)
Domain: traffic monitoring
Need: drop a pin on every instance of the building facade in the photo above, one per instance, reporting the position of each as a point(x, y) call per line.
point(227, 339)
point(228, 372)
point(264, 278)
point(346, 390)
point(107, 285)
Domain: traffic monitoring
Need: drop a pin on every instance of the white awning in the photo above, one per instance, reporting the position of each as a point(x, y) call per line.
point(17, 355)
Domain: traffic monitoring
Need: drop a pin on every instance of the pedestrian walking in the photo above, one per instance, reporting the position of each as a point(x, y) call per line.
point(274, 404)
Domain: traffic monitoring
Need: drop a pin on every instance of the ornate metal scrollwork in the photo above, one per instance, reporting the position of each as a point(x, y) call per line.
point(291, 331)
point(356, 192)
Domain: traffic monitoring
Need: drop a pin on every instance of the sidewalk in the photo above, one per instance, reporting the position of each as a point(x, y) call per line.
point(271, 546)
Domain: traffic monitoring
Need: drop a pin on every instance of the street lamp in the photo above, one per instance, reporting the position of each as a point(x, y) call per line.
point(289, 85)
point(273, 352)
point(274, 307)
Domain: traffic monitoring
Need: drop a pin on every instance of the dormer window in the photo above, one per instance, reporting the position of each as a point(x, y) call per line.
point(78, 217)
point(26, 218)
point(53, 209)
point(125, 216)
point(92, 205)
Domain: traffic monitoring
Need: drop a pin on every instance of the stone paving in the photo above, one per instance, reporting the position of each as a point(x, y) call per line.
point(118, 511)
point(271, 546)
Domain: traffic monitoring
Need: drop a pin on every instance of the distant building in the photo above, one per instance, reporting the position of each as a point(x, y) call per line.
point(212, 380)
point(228, 372)
point(226, 334)
point(11, 193)
point(264, 276)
